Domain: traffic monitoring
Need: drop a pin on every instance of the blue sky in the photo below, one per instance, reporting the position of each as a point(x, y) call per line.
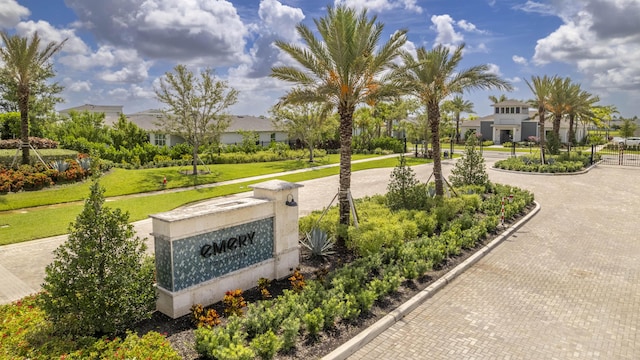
point(117, 50)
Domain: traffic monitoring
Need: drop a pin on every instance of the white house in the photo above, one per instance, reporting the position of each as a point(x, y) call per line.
point(148, 120)
point(513, 121)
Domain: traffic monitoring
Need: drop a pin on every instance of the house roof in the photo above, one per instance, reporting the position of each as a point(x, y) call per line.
point(111, 112)
point(147, 120)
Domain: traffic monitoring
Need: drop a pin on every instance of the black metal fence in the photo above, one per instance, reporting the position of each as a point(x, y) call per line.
point(619, 154)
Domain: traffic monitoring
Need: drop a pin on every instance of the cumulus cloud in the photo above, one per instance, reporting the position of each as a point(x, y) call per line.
point(446, 34)
point(381, 5)
point(179, 30)
point(105, 56)
point(11, 13)
point(48, 33)
point(77, 86)
point(131, 73)
point(494, 69)
point(519, 60)
point(469, 27)
point(602, 40)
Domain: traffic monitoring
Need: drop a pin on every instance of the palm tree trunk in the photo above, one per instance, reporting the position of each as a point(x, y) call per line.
point(556, 125)
point(458, 128)
point(389, 127)
point(433, 111)
point(346, 129)
point(572, 134)
point(23, 106)
point(541, 134)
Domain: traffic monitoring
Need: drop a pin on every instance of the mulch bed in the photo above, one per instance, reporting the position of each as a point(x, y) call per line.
point(180, 332)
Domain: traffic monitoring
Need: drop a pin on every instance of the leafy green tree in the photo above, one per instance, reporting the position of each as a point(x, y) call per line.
point(126, 134)
point(25, 66)
point(81, 125)
point(311, 123)
point(628, 128)
point(9, 125)
point(432, 76)
point(541, 88)
point(470, 168)
point(99, 281)
point(196, 107)
point(578, 108)
point(343, 69)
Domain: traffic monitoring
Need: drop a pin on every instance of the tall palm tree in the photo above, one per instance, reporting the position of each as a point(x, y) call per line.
point(578, 107)
point(561, 93)
point(496, 100)
point(541, 88)
point(433, 75)
point(458, 105)
point(341, 68)
point(25, 66)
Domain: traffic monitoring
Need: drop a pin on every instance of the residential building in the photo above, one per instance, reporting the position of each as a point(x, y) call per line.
point(148, 120)
point(514, 121)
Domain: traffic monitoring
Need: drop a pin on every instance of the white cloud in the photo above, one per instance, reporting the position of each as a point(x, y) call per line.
point(519, 60)
point(494, 69)
point(182, 30)
point(446, 34)
point(11, 13)
point(48, 33)
point(536, 7)
point(131, 73)
point(280, 19)
point(381, 5)
point(602, 40)
point(469, 27)
point(514, 80)
point(77, 86)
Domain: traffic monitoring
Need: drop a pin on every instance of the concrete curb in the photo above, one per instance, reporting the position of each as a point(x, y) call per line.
point(351, 346)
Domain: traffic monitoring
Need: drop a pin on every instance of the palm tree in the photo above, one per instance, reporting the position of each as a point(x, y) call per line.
point(561, 93)
point(433, 75)
point(25, 66)
point(579, 106)
point(496, 100)
point(342, 68)
point(541, 88)
point(458, 105)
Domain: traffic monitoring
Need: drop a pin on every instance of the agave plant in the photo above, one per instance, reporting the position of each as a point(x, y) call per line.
point(85, 163)
point(59, 165)
point(319, 243)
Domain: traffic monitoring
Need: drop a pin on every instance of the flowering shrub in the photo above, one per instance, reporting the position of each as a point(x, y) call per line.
point(36, 142)
point(234, 302)
point(36, 177)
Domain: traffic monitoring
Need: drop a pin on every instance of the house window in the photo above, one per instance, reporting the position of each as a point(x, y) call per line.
point(273, 137)
point(513, 110)
point(517, 110)
point(159, 139)
point(502, 110)
point(497, 110)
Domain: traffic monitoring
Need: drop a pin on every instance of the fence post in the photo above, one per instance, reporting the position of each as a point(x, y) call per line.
point(513, 149)
point(593, 149)
point(451, 148)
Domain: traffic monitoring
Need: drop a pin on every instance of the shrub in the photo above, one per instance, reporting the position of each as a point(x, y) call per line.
point(403, 190)
point(99, 281)
point(470, 169)
point(266, 345)
point(263, 286)
point(297, 280)
point(234, 302)
point(290, 329)
point(313, 322)
point(200, 317)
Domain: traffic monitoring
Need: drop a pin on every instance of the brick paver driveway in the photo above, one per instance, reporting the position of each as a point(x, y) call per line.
point(566, 285)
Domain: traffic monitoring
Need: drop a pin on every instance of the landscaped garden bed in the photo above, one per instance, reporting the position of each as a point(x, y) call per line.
point(390, 257)
point(568, 162)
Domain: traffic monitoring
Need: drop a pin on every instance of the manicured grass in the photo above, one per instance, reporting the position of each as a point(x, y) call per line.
point(125, 182)
point(28, 224)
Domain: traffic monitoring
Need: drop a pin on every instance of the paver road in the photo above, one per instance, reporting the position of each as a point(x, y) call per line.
point(566, 285)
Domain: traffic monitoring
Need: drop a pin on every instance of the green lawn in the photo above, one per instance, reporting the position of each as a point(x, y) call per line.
point(33, 223)
point(125, 182)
